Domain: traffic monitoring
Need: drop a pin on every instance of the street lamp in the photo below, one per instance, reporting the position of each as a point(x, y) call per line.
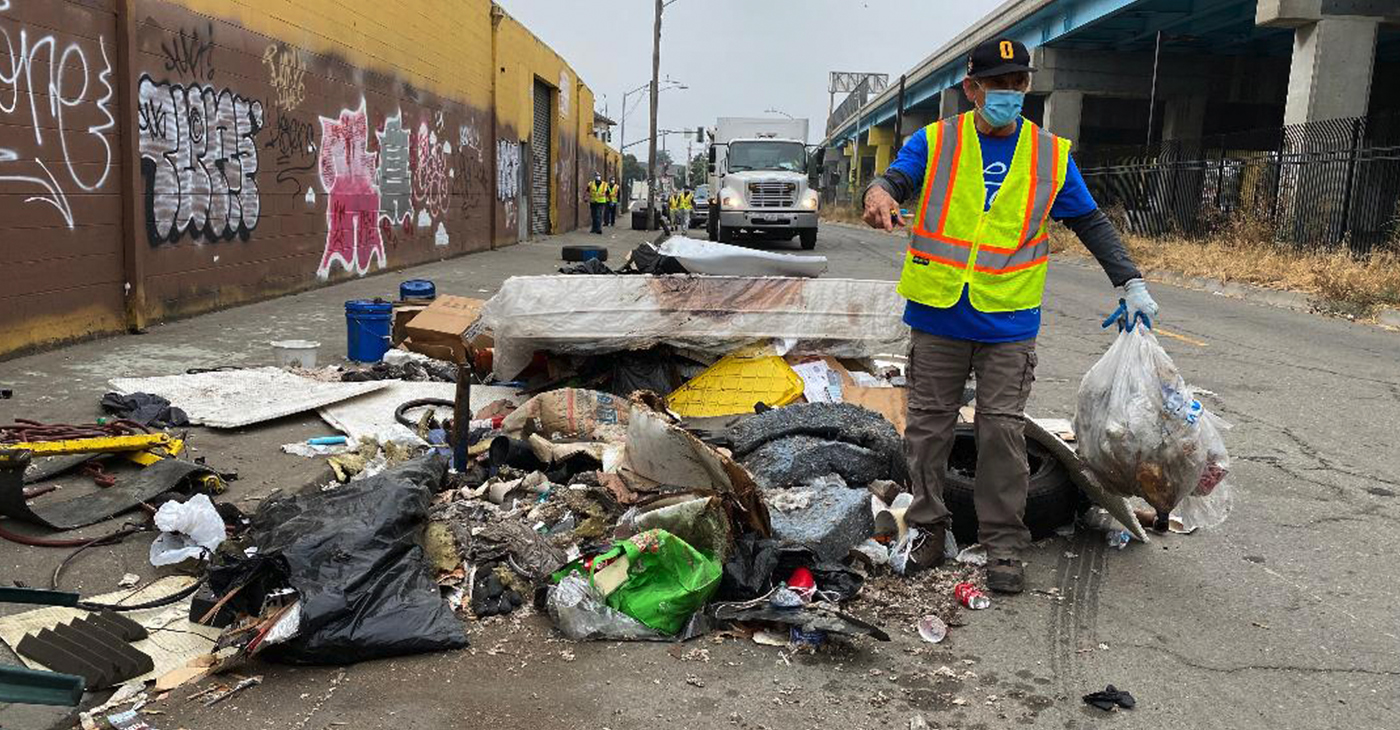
point(778, 111)
point(622, 132)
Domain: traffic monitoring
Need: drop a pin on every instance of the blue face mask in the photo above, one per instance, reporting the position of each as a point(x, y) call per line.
point(1002, 107)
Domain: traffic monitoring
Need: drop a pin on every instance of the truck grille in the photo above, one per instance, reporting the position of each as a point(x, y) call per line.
point(772, 195)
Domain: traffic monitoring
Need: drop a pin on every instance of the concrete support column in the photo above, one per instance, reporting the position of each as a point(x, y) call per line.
point(882, 139)
point(950, 102)
point(1063, 112)
point(1333, 60)
point(1184, 118)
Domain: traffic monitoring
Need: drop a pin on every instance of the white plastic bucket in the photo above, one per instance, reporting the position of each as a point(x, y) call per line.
point(296, 353)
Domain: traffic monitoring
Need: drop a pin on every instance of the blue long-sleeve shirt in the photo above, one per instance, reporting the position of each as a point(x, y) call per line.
point(963, 321)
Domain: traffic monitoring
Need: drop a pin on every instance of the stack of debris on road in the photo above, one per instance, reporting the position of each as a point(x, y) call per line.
point(638, 458)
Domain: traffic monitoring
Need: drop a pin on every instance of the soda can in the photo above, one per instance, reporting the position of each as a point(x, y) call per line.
point(968, 595)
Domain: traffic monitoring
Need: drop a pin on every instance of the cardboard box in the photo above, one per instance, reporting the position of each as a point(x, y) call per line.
point(448, 329)
point(892, 403)
point(403, 314)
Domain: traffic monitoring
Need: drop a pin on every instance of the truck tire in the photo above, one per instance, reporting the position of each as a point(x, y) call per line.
point(712, 223)
point(726, 234)
point(809, 238)
point(1051, 501)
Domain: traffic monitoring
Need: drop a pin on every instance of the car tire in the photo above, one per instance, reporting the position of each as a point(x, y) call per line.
point(1051, 501)
point(809, 239)
point(584, 252)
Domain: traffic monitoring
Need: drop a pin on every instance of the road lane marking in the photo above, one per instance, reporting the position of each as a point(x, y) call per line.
point(1183, 338)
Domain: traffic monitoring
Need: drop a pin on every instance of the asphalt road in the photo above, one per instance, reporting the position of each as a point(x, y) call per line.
point(1283, 617)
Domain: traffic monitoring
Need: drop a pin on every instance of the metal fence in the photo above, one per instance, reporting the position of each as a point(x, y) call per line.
point(1322, 185)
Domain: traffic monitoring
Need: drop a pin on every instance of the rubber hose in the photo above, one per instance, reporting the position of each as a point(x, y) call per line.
point(43, 542)
point(418, 403)
point(166, 601)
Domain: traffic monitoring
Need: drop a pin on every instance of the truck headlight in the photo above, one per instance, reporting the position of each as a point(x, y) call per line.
point(809, 200)
point(730, 199)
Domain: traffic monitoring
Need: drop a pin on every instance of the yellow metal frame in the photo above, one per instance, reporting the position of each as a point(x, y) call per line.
point(100, 445)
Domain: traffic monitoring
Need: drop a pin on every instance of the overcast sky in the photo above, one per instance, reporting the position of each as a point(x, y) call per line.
point(738, 57)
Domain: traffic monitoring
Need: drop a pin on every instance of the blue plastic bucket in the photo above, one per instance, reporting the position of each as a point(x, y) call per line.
point(367, 326)
point(417, 289)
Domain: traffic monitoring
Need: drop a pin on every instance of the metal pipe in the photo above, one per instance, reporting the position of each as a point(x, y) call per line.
point(461, 417)
point(1152, 100)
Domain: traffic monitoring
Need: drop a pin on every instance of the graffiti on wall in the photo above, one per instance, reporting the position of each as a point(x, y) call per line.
point(507, 170)
point(199, 160)
point(189, 54)
point(293, 141)
point(565, 89)
point(65, 99)
point(469, 138)
point(286, 72)
point(348, 172)
point(430, 181)
point(395, 180)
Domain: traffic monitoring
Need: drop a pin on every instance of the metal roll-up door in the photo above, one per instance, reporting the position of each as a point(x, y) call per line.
point(539, 161)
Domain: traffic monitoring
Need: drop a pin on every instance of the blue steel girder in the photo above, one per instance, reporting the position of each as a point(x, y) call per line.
point(1056, 20)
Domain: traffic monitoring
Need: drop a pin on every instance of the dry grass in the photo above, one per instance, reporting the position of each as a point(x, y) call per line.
point(1248, 254)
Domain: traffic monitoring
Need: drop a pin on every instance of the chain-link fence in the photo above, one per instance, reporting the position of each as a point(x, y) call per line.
point(1320, 185)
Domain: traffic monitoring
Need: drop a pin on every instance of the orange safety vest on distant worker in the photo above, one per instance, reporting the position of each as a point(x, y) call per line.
point(1000, 253)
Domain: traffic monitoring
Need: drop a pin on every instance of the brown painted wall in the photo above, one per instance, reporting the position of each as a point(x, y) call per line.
point(307, 168)
point(60, 173)
point(207, 153)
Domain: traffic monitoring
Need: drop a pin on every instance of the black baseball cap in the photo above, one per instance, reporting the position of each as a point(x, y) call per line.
point(998, 56)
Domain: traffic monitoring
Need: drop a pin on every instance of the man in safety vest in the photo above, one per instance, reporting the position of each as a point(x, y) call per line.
point(681, 205)
point(613, 190)
point(597, 201)
point(986, 184)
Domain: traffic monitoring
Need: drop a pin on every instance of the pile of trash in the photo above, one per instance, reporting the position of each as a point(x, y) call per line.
point(639, 457)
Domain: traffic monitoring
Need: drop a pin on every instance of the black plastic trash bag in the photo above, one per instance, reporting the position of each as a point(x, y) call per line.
point(145, 409)
point(757, 565)
point(355, 555)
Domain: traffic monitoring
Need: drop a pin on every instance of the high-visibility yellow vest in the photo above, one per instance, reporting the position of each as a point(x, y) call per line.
point(612, 192)
point(1001, 254)
point(687, 200)
point(598, 191)
point(674, 201)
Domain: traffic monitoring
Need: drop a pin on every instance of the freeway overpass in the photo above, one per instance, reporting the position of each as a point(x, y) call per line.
point(1222, 66)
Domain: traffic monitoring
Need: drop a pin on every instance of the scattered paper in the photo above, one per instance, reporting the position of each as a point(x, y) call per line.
point(820, 383)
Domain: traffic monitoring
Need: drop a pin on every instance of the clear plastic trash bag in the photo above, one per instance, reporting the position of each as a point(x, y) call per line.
point(1144, 433)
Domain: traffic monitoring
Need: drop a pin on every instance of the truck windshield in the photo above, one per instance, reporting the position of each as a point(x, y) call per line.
point(785, 156)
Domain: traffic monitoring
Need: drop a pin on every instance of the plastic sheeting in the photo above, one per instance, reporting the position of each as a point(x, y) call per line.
point(711, 314)
point(722, 259)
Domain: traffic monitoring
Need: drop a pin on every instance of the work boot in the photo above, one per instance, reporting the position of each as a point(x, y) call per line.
point(1006, 575)
point(928, 553)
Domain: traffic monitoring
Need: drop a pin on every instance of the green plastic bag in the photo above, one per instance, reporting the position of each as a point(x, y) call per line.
point(667, 580)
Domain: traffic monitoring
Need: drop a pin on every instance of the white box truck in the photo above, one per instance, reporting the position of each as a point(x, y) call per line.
point(762, 179)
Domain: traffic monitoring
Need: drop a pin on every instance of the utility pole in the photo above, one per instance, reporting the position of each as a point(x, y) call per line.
point(655, 87)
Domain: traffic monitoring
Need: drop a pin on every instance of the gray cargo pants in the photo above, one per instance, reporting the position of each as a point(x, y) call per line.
point(938, 368)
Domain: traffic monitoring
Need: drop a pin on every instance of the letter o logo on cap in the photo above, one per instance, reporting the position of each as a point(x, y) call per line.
point(1008, 50)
